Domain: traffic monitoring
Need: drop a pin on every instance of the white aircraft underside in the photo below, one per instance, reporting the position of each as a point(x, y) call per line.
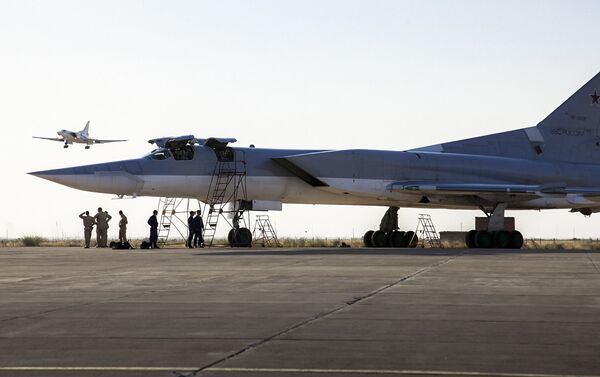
point(555, 164)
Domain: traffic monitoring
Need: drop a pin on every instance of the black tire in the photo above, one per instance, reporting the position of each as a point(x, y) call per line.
point(483, 239)
point(516, 240)
point(410, 239)
point(230, 237)
point(470, 239)
point(243, 237)
point(379, 238)
point(501, 239)
point(395, 238)
point(367, 239)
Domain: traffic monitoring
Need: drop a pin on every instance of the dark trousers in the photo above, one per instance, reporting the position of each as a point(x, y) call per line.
point(198, 239)
point(190, 238)
point(153, 237)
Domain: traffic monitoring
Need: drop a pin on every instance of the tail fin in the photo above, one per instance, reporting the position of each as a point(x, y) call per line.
point(571, 133)
point(86, 129)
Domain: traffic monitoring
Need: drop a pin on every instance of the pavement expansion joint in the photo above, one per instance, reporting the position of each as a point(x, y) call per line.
point(326, 313)
point(593, 263)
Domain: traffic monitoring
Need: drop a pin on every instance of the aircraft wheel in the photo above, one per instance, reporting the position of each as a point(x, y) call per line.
point(66, 146)
point(379, 238)
point(367, 239)
point(243, 237)
point(501, 239)
point(395, 238)
point(516, 240)
point(87, 147)
point(410, 239)
point(470, 239)
point(230, 237)
point(483, 239)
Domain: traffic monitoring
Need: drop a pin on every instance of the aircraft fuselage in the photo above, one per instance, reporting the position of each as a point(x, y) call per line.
point(356, 177)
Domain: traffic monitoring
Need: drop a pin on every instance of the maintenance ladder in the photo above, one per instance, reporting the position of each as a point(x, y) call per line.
point(167, 209)
point(266, 233)
point(427, 231)
point(230, 175)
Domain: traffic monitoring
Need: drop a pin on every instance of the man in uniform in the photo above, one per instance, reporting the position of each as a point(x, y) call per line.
point(191, 230)
point(88, 225)
point(153, 222)
point(198, 230)
point(122, 228)
point(102, 218)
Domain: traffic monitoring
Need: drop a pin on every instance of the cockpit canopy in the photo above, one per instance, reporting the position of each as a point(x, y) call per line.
point(160, 154)
point(180, 153)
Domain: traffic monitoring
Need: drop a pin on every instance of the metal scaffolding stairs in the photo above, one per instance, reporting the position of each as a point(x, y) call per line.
point(427, 231)
point(264, 233)
point(170, 220)
point(229, 178)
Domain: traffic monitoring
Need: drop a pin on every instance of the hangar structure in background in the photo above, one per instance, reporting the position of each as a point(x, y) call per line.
point(555, 164)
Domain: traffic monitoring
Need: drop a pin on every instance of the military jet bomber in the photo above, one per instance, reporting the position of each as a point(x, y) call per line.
point(555, 164)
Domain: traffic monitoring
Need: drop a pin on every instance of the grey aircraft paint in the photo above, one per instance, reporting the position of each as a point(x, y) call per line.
point(555, 164)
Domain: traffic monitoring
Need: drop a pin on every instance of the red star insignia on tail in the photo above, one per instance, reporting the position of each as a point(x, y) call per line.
point(595, 97)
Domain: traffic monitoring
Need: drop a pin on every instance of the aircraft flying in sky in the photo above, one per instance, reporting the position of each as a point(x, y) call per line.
point(79, 137)
point(555, 164)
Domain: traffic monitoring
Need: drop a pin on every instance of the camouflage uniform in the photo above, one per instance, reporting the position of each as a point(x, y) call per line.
point(102, 219)
point(88, 225)
point(123, 229)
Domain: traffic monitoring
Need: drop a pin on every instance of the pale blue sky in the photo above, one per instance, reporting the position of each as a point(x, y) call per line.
point(307, 74)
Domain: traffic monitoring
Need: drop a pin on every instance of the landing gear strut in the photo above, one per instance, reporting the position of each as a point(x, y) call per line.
point(388, 234)
point(239, 236)
point(496, 236)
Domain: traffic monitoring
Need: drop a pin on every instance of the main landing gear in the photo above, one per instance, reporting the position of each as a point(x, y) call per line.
point(500, 239)
point(388, 234)
point(240, 237)
point(496, 236)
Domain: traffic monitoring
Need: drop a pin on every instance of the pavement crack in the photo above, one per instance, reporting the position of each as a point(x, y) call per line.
point(593, 263)
point(322, 315)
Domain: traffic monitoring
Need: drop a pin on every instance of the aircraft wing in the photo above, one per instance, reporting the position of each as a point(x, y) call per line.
point(49, 138)
point(98, 141)
point(494, 188)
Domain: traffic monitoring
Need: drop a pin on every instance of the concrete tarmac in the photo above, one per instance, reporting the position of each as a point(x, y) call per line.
point(299, 312)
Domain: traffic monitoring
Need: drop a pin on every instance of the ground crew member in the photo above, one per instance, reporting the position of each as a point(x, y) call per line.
point(153, 222)
point(88, 225)
point(102, 218)
point(191, 230)
point(122, 228)
point(198, 230)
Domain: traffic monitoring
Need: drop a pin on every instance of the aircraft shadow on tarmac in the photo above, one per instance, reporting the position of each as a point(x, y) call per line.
point(391, 252)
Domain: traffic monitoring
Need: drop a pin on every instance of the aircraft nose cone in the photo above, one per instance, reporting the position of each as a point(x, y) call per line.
point(109, 178)
point(57, 175)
